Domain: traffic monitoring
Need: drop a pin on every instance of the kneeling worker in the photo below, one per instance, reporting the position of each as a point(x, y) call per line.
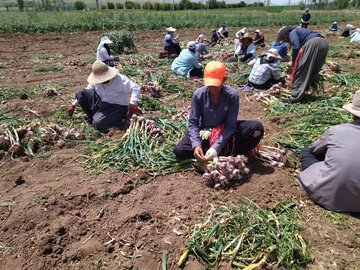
point(105, 99)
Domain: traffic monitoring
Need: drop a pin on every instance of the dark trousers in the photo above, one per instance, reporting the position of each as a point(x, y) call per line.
point(173, 49)
point(267, 85)
point(244, 141)
point(101, 115)
point(197, 72)
point(307, 158)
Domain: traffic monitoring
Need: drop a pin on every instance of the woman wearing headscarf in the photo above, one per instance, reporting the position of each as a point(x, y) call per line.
point(309, 51)
point(103, 52)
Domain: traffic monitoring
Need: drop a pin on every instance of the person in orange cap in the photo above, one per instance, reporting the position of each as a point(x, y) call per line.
point(213, 127)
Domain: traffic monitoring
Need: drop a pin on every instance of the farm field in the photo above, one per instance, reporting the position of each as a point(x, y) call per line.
point(55, 213)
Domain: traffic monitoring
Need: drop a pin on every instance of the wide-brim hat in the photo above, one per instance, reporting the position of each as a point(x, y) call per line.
point(170, 29)
point(246, 36)
point(214, 73)
point(273, 53)
point(354, 107)
point(284, 30)
point(101, 73)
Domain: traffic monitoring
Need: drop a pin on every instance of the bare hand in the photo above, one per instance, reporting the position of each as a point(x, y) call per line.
point(199, 154)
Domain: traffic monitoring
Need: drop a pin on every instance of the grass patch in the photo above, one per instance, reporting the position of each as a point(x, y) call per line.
point(338, 219)
point(45, 56)
point(11, 92)
point(49, 68)
point(245, 235)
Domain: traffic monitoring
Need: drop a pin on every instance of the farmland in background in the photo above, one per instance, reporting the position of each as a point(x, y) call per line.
point(70, 21)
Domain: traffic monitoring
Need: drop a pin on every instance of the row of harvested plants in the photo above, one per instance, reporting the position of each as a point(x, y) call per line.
point(30, 139)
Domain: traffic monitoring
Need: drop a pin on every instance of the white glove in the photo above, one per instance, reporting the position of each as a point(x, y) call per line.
point(204, 134)
point(211, 154)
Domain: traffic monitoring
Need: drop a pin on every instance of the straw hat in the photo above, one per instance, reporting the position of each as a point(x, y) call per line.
point(273, 53)
point(101, 73)
point(257, 31)
point(105, 40)
point(354, 107)
point(214, 73)
point(170, 29)
point(246, 36)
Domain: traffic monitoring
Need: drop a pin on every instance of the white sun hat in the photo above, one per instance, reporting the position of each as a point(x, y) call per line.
point(170, 29)
point(105, 40)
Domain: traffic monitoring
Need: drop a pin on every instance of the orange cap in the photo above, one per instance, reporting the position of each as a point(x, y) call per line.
point(214, 73)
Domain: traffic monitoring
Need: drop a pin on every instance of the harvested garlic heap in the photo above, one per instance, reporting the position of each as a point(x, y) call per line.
point(154, 89)
point(222, 171)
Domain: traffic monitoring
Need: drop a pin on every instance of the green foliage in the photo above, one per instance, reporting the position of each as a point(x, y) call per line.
point(246, 236)
point(307, 121)
point(49, 68)
point(110, 5)
point(121, 39)
point(79, 5)
point(20, 4)
point(39, 22)
point(119, 6)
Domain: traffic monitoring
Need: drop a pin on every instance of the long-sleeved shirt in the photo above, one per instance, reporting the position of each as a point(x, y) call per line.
point(298, 37)
point(335, 182)
point(263, 70)
point(205, 115)
point(117, 90)
point(169, 40)
point(240, 49)
point(201, 49)
point(355, 37)
point(281, 47)
point(221, 31)
point(102, 54)
point(185, 62)
point(259, 40)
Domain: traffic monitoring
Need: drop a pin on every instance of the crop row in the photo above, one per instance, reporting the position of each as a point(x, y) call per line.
point(70, 21)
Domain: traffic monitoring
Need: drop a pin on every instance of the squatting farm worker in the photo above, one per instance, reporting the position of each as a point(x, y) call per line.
point(265, 72)
point(223, 32)
point(187, 64)
point(105, 100)
point(330, 167)
point(309, 50)
point(103, 52)
point(171, 45)
point(245, 50)
point(213, 127)
point(259, 39)
point(346, 31)
point(201, 50)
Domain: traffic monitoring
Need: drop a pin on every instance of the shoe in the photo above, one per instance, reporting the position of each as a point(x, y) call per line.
point(286, 100)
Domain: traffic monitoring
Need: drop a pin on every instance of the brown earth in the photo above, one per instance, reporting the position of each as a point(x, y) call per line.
point(63, 217)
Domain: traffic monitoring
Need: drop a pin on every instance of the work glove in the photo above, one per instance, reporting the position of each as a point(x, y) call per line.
point(133, 109)
point(211, 153)
point(204, 134)
point(70, 110)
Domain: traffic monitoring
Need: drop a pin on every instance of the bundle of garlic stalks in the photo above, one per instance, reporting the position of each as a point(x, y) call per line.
point(28, 140)
point(272, 156)
point(276, 92)
point(152, 88)
point(147, 144)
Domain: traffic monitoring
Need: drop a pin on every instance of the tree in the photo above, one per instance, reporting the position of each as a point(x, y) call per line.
point(79, 5)
point(20, 4)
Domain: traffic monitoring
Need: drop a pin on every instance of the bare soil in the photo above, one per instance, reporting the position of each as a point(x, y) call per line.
point(62, 217)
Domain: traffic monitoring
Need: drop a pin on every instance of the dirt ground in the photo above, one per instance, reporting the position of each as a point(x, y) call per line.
point(63, 217)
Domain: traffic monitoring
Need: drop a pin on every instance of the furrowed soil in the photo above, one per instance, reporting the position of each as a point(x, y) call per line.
point(63, 217)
